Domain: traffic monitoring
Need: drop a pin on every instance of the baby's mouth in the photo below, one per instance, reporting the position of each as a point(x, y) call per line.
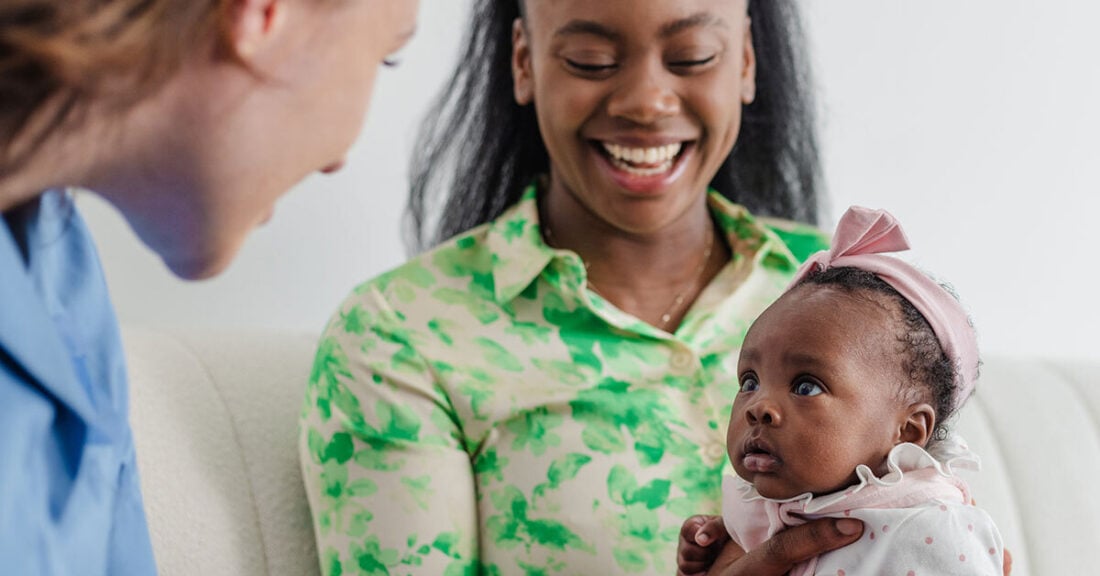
point(758, 456)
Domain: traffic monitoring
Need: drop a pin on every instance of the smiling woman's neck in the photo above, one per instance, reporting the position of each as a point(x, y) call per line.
point(654, 275)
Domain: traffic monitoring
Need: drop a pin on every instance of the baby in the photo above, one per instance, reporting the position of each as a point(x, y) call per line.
point(847, 382)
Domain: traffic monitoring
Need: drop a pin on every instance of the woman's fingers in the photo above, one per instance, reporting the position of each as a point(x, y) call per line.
point(786, 549)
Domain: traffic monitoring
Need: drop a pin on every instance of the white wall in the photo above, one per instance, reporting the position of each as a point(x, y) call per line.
point(974, 122)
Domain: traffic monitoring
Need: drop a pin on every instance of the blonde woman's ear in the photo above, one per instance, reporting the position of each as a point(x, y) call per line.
point(920, 421)
point(252, 23)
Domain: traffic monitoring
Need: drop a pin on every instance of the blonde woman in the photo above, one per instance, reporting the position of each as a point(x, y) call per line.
point(191, 117)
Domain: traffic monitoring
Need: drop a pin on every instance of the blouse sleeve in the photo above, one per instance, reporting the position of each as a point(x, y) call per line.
point(386, 471)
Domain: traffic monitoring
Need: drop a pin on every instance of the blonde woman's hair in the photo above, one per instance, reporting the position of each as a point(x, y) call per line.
point(57, 56)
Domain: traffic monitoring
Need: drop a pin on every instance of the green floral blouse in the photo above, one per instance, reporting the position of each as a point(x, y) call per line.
point(479, 411)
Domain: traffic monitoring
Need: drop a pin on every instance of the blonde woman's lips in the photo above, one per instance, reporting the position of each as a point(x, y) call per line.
point(334, 167)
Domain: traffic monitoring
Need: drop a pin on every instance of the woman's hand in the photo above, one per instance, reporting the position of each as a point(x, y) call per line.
point(705, 547)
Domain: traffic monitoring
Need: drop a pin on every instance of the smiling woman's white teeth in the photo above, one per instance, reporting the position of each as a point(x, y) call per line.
point(654, 155)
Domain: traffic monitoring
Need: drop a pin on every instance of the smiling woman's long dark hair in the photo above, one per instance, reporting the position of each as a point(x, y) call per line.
point(477, 149)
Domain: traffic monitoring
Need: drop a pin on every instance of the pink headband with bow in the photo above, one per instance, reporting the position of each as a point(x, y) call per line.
point(862, 239)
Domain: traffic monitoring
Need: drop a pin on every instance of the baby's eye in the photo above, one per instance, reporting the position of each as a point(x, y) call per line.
point(807, 388)
point(749, 383)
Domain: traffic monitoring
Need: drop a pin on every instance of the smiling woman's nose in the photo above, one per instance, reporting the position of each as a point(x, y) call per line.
point(645, 96)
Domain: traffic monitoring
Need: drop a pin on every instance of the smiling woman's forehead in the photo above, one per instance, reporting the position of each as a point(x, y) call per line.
point(668, 16)
point(578, 26)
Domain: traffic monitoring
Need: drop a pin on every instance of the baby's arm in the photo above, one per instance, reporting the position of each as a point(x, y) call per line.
point(701, 540)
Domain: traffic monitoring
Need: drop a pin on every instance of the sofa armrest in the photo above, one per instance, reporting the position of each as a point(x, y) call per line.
point(1034, 423)
point(215, 425)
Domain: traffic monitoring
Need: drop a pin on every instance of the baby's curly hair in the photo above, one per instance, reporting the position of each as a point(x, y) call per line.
point(928, 367)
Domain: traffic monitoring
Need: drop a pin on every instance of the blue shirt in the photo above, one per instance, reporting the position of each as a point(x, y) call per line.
point(70, 503)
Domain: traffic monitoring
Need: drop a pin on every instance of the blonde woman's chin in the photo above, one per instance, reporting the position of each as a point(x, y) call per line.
point(201, 263)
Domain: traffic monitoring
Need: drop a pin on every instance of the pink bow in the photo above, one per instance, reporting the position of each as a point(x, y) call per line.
point(862, 238)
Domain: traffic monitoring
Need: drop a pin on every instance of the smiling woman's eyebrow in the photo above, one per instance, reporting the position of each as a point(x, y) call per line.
point(699, 20)
point(587, 28)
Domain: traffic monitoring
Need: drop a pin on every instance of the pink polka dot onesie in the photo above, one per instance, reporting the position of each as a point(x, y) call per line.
point(918, 518)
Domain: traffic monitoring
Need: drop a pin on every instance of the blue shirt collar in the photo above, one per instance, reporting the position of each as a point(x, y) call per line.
point(28, 335)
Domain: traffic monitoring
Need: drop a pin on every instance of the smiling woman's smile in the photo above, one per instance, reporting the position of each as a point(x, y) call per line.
point(638, 107)
point(643, 161)
point(644, 170)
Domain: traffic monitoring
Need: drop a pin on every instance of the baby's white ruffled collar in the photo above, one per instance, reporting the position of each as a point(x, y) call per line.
point(946, 456)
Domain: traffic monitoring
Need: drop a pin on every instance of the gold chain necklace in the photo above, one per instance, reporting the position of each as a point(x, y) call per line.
point(681, 296)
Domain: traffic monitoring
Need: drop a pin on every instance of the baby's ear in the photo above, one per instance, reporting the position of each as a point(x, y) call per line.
point(920, 421)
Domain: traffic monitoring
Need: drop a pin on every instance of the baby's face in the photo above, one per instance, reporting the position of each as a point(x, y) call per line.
point(820, 373)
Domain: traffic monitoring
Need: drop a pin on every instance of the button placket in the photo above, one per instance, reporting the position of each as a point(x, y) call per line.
point(713, 377)
point(712, 442)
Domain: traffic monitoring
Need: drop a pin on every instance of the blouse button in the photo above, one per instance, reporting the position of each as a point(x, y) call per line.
point(682, 360)
point(715, 452)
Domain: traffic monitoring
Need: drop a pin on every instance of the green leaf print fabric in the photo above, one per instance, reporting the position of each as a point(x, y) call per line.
point(479, 411)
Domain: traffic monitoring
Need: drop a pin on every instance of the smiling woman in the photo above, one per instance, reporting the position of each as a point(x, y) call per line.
point(547, 391)
point(479, 150)
point(192, 118)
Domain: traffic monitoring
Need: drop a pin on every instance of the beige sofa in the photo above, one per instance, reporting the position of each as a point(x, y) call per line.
point(215, 418)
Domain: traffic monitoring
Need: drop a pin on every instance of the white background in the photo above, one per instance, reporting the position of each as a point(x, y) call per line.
point(975, 122)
